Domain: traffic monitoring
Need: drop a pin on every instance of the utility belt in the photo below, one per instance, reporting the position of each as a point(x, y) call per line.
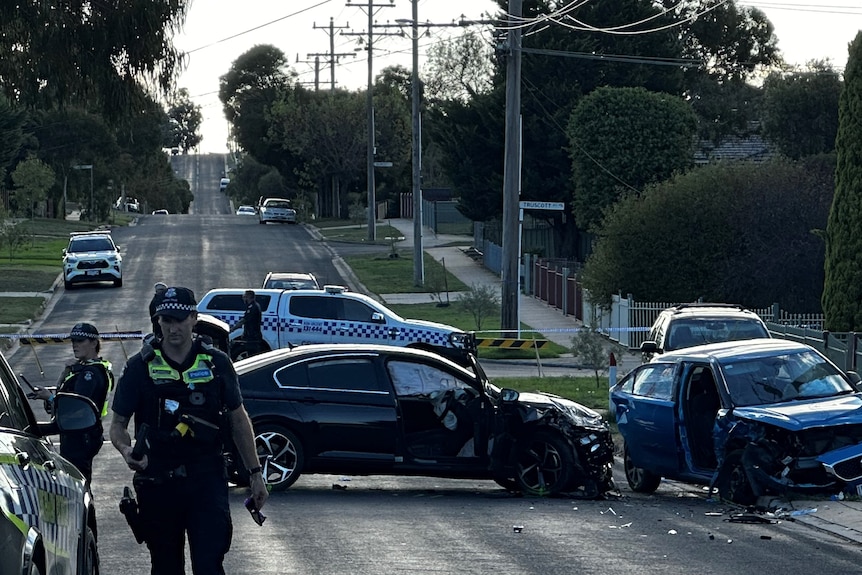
point(156, 474)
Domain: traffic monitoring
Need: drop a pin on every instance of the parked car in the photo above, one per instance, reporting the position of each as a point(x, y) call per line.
point(691, 324)
point(276, 210)
point(332, 315)
point(223, 183)
point(92, 257)
point(760, 417)
point(246, 211)
point(370, 409)
point(290, 280)
point(161, 212)
point(48, 519)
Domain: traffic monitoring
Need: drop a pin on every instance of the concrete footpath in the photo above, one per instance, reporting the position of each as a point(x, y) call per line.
point(842, 518)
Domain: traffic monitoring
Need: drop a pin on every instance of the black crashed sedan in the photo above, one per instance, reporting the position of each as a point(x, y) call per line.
point(367, 410)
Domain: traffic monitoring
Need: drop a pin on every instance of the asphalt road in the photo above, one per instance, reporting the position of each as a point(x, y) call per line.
point(375, 525)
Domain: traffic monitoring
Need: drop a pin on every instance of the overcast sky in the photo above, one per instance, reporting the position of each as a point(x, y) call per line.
point(217, 32)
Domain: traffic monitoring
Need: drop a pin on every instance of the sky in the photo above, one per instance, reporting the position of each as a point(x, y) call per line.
point(217, 32)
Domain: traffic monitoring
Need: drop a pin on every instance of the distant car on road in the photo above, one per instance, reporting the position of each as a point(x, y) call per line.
point(246, 211)
point(161, 212)
point(290, 280)
point(370, 409)
point(48, 524)
point(752, 418)
point(277, 210)
point(223, 183)
point(92, 257)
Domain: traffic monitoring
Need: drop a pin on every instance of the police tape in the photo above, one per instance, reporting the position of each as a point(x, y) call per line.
point(48, 338)
point(565, 330)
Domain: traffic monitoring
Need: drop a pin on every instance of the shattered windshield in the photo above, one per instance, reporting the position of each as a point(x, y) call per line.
point(781, 378)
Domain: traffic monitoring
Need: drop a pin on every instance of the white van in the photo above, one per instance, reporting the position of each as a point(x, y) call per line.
point(223, 184)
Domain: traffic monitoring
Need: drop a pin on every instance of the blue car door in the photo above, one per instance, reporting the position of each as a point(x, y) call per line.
point(645, 408)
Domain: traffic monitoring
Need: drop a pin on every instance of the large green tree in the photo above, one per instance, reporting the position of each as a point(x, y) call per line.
point(800, 110)
point(185, 119)
point(621, 139)
point(32, 179)
point(56, 53)
point(842, 290)
point(745, 233)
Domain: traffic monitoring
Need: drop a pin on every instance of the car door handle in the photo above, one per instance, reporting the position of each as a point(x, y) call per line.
point(394, 332)
point(50, 465)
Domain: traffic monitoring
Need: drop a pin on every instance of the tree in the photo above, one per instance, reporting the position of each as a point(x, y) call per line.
point(800, 110)
point(622, 139)
point(736, 232)
point(459, 69)
point(186, 120)
point(480, 301)
point(94, 52)
point(842, 290)
point(32, 179)
point(11, 134)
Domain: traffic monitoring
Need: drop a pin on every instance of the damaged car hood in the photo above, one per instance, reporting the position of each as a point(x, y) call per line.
point(544, 401)
point(798, 415)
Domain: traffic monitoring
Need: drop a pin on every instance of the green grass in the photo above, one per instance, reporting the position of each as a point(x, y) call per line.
point(359, 235)
point(584, 390)
point(382, 274)
point(20, 309)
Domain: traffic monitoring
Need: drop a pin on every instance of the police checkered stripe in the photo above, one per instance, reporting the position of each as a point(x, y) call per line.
point(176, 306)
point(83, 334)
point(62, 535)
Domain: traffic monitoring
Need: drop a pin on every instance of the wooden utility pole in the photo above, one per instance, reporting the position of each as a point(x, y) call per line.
point(332, 56)
point(512, 174)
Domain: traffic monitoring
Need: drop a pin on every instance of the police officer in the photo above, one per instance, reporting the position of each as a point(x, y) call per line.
point(89, 375)
point(252, 338)
point(187, 392)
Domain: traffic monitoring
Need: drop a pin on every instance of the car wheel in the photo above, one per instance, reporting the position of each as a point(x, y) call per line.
point(261, 222)
point(640, 480)
point(544, 464)
point(90, 557)
point(281, 456)
point(118, 283)
point(733, 484)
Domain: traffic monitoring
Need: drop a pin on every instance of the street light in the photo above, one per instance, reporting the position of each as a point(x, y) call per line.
point(87, 167)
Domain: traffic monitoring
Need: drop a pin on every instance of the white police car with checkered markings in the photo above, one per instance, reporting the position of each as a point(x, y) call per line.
point(333, 315)
point(47, 515)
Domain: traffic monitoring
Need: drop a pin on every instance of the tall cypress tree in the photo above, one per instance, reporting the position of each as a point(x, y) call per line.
point(842, 290)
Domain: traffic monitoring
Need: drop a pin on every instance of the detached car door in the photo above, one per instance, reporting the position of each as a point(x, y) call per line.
point(646, 414)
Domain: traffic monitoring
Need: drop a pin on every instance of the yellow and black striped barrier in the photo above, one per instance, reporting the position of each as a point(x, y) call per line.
point(506, 343)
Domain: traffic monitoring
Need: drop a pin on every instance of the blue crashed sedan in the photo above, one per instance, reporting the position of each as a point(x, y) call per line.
point(759, 417)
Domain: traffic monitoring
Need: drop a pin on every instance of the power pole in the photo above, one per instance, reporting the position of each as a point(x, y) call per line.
point(512, 174)
point(333, 57)
point(416, 158)
point(372, 200)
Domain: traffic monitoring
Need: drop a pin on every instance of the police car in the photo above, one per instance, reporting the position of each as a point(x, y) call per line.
point(333, 315)
point(47, 516)
point(92, 257)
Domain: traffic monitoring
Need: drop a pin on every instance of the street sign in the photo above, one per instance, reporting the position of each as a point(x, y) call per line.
point(541, 205)
point(382, 164)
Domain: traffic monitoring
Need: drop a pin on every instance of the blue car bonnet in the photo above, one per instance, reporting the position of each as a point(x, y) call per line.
point(798, 415)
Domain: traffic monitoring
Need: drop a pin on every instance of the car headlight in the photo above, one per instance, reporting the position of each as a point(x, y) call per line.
point(459, 339)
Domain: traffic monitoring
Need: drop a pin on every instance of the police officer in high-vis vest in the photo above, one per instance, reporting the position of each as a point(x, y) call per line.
point(88, 375)
point(187, 394)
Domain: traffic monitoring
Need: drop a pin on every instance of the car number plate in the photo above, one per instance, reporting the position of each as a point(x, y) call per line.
point(92, 272)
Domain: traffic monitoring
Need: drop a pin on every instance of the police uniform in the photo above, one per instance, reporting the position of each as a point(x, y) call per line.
point(91, 378)
point(184, 487)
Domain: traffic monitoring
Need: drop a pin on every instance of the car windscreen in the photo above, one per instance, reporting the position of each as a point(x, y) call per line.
point(90, 245)
point(281, 205)
point(779, 378)
point(698, 331)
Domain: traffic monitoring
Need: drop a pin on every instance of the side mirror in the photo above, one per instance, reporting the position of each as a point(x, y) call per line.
point(64, 251)
point(509, 395)
point(649, 347)
point(855, 379)
point(75, 412)
point(377, 317)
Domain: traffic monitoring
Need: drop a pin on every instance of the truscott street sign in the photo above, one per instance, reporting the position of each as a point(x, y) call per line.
point(541, 205)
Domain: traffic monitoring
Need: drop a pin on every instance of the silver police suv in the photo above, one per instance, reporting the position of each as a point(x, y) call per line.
point(92, 257)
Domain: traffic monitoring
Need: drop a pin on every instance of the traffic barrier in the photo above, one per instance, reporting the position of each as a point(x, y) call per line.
point(512, 343)
point(53, 338)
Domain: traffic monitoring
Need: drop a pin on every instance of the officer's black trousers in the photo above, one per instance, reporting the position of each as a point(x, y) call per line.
point(197, 505)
